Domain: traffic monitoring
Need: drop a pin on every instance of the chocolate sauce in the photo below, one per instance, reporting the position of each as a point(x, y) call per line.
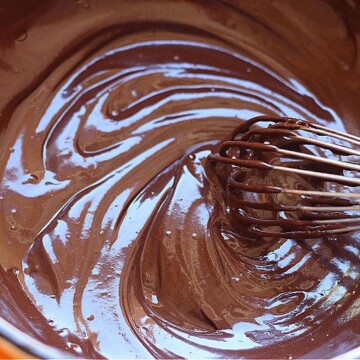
point(115, 236)
point(289, 178)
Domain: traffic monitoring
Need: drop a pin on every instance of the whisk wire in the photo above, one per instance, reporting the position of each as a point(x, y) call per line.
point(313, 212)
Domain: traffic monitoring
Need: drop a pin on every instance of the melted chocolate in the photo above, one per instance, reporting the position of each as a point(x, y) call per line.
point(290, 178)
point(115, 237)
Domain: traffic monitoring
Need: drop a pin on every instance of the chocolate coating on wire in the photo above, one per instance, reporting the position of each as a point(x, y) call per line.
point(269, 146)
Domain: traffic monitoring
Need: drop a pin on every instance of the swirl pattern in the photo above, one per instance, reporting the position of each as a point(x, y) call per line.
point(131, 228)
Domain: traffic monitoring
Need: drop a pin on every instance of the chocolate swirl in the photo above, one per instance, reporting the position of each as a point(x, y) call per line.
point(115, 235)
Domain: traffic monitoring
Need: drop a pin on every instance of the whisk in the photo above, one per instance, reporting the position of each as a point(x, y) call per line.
point(290, 178)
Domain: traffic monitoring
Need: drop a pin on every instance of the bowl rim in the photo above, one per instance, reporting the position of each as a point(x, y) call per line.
point(16, 343)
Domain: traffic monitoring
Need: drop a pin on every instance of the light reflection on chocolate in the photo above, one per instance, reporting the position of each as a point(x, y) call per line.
point(114, 235)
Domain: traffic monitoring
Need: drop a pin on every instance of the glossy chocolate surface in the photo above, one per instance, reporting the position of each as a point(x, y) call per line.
point(115, 238)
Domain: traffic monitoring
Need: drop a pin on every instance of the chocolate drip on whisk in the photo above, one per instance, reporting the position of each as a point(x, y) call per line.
point(290, 178)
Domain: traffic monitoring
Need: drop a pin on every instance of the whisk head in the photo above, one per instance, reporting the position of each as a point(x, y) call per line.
point(290, 178)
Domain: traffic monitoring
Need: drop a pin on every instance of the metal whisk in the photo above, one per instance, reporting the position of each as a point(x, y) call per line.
point(291, 178)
